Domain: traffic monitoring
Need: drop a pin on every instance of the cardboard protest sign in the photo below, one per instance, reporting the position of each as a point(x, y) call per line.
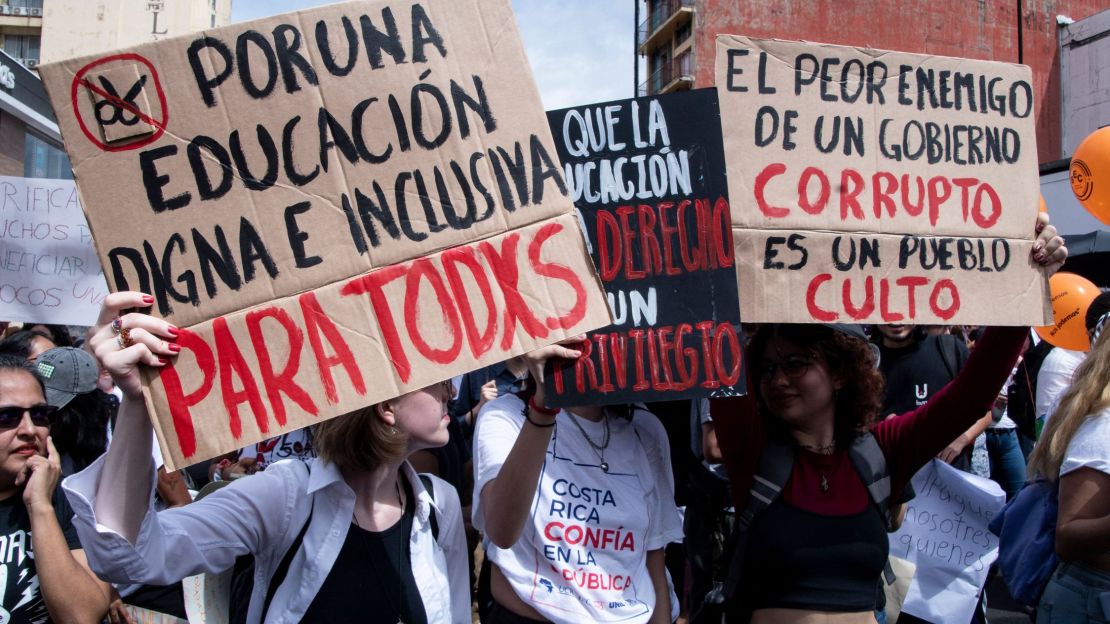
point(49, 271)
point(339, 205)
point(647, 176)
point(945, 534)
point(880, 187)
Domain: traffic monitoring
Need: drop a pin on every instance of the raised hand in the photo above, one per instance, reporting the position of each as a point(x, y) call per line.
point(122, 343)
point(1048, 250)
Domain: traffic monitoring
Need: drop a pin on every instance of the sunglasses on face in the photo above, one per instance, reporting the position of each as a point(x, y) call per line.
point(11, 415)
point(792, 367)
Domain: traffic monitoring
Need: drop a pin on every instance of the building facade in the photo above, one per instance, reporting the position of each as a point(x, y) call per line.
point(21, 30)
point(81, 27)
point(677, 38)
point(30, 145)
point(39, 31)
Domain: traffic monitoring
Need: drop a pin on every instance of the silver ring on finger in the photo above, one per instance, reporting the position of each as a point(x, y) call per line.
point(117, 325)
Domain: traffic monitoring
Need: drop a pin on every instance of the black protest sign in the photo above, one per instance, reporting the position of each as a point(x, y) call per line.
point(647, 177)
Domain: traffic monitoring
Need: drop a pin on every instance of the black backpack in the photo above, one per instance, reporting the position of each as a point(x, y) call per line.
point(775, 466)
point(242, 578)
point(1021, 403)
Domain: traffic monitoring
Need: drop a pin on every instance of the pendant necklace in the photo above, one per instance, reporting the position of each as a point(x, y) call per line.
point(827, 449)
point(598, 449)
point(400, 553)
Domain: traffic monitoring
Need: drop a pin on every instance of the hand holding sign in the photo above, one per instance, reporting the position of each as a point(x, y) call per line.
point(151, 340)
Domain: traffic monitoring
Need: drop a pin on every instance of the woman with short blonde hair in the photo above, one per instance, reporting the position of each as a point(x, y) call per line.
point(361, 440)
point(353, 536)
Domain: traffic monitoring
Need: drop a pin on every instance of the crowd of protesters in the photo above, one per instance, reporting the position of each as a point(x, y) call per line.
point(464, 500)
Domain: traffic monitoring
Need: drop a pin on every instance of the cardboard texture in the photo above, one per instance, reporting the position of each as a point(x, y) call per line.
point(305, 195)
point(648, 178)
point(873, 146)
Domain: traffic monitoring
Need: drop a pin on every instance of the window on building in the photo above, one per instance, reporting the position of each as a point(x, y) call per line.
point(22, 46)
point(659, 12)
point(26, 4)
point(683, 33)
point(41, 159)
point(660, 70)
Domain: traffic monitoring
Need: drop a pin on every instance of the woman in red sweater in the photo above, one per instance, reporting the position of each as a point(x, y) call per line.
point(816, 553)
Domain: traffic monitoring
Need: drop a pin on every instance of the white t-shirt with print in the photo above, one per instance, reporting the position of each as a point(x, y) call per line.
point(1090, 447)
point(582, 556)
point(293, 445)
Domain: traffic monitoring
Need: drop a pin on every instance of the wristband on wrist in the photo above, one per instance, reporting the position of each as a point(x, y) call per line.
point(544, 411)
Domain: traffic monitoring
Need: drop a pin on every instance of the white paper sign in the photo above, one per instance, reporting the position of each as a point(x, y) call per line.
point(49, 271)
point(945, 533)
point(207, 596)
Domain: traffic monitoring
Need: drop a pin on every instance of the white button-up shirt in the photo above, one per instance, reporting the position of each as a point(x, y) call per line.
point(263, 515)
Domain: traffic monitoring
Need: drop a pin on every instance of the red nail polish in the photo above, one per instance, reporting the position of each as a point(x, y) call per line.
point(175, 347)
point(173, 331)
point(163, 362)
point(147, 299)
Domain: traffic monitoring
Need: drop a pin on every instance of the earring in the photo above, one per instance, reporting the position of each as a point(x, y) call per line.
point(392, 430)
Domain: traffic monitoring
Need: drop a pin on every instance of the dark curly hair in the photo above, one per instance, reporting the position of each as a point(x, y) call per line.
point(20, 343)
point(80, 429)
point(58, 334)
point(858, 401)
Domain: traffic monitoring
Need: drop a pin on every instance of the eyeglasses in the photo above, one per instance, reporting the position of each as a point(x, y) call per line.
point(447, 387)
point(11, 415)
point(792, 367)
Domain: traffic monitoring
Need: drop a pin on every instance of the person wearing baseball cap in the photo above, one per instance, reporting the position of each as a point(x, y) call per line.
point(66, 372)
point(45, 574)
point(80, 425)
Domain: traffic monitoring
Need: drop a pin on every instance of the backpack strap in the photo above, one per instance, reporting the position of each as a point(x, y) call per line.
point(949, 354)
point(775, 466)
point(427, 481)
point(869, 461)
point(283, 568)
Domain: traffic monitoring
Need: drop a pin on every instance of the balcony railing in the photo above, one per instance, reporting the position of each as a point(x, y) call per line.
point(656, 18)
point(679, 68)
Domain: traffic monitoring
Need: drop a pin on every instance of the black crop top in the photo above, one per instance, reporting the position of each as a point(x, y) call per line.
point(371, 581)
point(800, 560)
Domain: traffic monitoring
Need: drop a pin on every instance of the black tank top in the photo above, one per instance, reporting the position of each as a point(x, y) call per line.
point(371, 580)
point(800, 560)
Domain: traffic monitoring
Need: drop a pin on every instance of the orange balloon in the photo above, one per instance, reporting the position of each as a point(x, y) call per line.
point(1090, 174)
point(1071, 296)
point(1043, 207)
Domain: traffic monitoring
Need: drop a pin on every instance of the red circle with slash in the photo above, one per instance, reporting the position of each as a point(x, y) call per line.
point(159, 125)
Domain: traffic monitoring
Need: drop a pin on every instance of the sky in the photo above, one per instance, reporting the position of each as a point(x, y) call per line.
point(581, 51)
